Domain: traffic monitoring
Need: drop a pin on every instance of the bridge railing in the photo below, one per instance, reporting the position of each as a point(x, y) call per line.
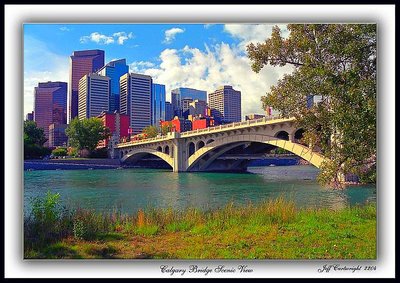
point(232, 125)
point(160, 138)
point(209, 129)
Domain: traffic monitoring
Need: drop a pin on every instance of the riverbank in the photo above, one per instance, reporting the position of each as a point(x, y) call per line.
point(271, 230)
point(105, 163)
point(71, 164)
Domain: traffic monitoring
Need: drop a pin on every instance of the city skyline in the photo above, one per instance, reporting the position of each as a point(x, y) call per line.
point(176, 55)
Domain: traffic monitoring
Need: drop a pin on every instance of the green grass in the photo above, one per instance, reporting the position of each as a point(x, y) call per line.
point(274, 229)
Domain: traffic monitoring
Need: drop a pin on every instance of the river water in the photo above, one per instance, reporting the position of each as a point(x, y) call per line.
point(131, 189)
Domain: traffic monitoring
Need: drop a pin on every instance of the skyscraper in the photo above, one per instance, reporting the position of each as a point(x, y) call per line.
point(169, 113)
point(135, 100)
point(94, 94)
point(81, 63)
point(57, 136)
point(225, 104)
point(114, 70)
point(198, 107)
point(157, 104)
point(50, 105)
point(185, 103)
point(176, 103)
point(183, 92)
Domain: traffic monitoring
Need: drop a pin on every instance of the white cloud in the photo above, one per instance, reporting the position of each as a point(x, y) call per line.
point(252, 32)
point(140, 66)
point(98, 38)
point(122, 36)
point(64, 29)
point(171, 33)
point(220, 64)
point(102, 39)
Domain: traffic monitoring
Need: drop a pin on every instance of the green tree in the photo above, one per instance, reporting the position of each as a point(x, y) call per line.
point(338, 62)
point(150, 131)
point(33, 134)
point(34, 139)
point(86, 133)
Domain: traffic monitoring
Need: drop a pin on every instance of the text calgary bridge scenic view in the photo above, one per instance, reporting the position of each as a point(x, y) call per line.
point(200, 141)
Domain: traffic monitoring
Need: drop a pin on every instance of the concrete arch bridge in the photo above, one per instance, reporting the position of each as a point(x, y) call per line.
point(199, 150)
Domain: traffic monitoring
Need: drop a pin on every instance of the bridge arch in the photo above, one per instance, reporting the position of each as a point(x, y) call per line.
point(209, 141)
point(138, 154)
point(298, 134)
point(200, 144)
point(166, 149)
point(302, 151)
point(283, 135)
point(191, 148)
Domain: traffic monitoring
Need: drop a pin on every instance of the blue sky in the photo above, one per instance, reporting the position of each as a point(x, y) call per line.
point(187, 55)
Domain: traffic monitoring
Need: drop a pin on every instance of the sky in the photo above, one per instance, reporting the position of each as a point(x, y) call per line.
point(201, 56)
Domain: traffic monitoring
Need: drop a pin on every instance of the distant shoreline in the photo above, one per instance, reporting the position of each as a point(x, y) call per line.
point(106, 163)
point(71, 164)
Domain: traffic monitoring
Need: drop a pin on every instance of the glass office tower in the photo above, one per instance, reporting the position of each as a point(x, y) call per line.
point(184, 92)
point(114, 70)
point(157, 104)
point(50, 105)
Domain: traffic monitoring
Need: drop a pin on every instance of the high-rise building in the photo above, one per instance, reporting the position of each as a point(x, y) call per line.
point(176, 104)
point(169, 112)
point(198, 108)
point(225, 104)
point(50, 105)
point(135, 100)
point(81, 63)
point(94, 94)
point(57, 136)
point(184, 92)
point(29, 116)
point(114, 70)
point(185, 105)
point(157, 104)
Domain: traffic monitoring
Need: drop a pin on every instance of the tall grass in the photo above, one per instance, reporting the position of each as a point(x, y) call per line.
point(49, 222)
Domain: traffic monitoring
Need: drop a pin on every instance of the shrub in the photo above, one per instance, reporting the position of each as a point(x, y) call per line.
point(48, 221)
point(61, 151)
point(46, 210)
point(72, 151)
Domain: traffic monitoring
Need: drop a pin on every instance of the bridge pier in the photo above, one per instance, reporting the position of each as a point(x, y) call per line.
point(179, 153)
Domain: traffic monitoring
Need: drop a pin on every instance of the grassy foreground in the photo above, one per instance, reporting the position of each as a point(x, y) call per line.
point(270, 230)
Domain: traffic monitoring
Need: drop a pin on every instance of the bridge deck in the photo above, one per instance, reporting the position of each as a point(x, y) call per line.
point(216, 129)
